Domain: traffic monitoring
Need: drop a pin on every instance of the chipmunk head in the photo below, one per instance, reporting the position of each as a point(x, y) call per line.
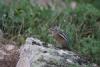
point(54, 29)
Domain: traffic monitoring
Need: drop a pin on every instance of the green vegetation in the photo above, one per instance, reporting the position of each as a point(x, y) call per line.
point(21, 19)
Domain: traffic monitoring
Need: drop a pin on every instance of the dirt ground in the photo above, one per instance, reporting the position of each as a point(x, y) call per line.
point(9, 54)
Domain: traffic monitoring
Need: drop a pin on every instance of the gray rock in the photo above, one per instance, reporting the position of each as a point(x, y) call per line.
point(36, 55)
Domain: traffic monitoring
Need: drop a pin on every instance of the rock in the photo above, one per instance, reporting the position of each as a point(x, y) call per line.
point(23, 62)
point(34, 54)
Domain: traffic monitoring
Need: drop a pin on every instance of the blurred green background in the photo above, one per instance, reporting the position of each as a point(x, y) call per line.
point(79, 18)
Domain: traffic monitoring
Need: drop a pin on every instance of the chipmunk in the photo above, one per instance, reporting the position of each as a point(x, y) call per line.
point(60, 37)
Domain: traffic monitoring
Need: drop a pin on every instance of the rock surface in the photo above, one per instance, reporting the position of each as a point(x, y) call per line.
point(34, 54)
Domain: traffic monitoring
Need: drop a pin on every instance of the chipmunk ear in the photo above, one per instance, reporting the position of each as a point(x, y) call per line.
point(54, 26)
